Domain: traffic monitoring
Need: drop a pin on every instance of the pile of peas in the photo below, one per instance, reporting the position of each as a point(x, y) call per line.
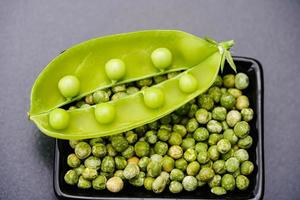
point(204, 142)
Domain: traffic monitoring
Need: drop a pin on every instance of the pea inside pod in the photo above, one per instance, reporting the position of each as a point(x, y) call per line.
point(141, 107)
point(102, 62)
point(132, 111)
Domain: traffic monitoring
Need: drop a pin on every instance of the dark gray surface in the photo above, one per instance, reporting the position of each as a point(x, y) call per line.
point(34, 32)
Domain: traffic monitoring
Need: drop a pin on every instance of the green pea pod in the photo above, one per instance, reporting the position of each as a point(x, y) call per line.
point(87, 62)
point(199, 58)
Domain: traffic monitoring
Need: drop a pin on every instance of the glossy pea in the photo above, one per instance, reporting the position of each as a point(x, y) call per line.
point(188, 83)
point(161, 58)
point(59, 119)
point(115, 69)
point(69, 86)
point(105, 113)
point(154, 98)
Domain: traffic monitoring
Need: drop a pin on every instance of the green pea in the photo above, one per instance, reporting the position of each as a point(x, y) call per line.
point(175, 152)
point(161, 148)
point(175, 119)
point(219, 167)
point(73, 161)
point(131, 171)
point(143, 162)
point(178, 128)
point(79, 169)
point(229, 135)
point(114, 184)
point(176, 175)
point(82, 150)
point(154, 125)
point(138, 181)
point(235, 92)
point(163, 134)
point(247, 167)
point(105, 113)
point(228, 182)
point(201, 134)
point(120, 162)
point(247, 114)
point(200, 147)
point(181, 164)
point(132, 90)
point(175, 187)
point(92, 162)
point(59, 119)
point(193, 168)
point(206, 174)
point(167, 163)
point(190, 155)
point(202, 116)
point(242, 155)
point(108, 164)
point(203, 157)
point(161, 58)
point(219, 113)
point(119, 143)
point(242, 102)
point(84, 183)
point(206, 102)
point(192, 125)
point(233, 117)
point(215, 94)
point(115, 69)
point(189, 183)
point(89, 173)
point(232, 164)
point(241, 129)
point(99, 182)
point(223, 146)
point(214, 138)
point(71, 177)
point(153, 169)
point(119, 88)
point(89, 99)
point(131, 137)
point(228, 80)
point(188, 83)
point(228, 155)
point(241, 81)
point(188, 143)
point(218, 81)
point(148, 183)
point(214, 126)
point(218, 191)
point(100, 96)
point(175, 139)
point(227, 101)
point(245, 143)
point(213, 152)
point(215, 181)
point(110, 150)
point(154, 98)
point(129, 152)
point(69, 86)
point(141, 149)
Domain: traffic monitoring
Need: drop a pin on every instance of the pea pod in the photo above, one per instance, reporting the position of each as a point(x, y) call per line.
point(201, 59)
point(87, 62)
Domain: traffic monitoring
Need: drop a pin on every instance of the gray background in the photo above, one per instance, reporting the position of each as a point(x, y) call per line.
point(34, 32)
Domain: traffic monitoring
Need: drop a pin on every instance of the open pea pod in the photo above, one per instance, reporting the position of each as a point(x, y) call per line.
point(87, 62)
point(201, 59)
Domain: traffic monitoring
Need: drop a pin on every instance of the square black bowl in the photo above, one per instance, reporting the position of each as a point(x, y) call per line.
point(256, 188)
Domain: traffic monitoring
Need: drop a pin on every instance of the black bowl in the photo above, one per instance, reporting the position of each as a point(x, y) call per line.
point(255, 191)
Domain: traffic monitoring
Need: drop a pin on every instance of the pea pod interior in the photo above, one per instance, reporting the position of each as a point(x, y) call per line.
point(131, 110)
point(87, 60)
